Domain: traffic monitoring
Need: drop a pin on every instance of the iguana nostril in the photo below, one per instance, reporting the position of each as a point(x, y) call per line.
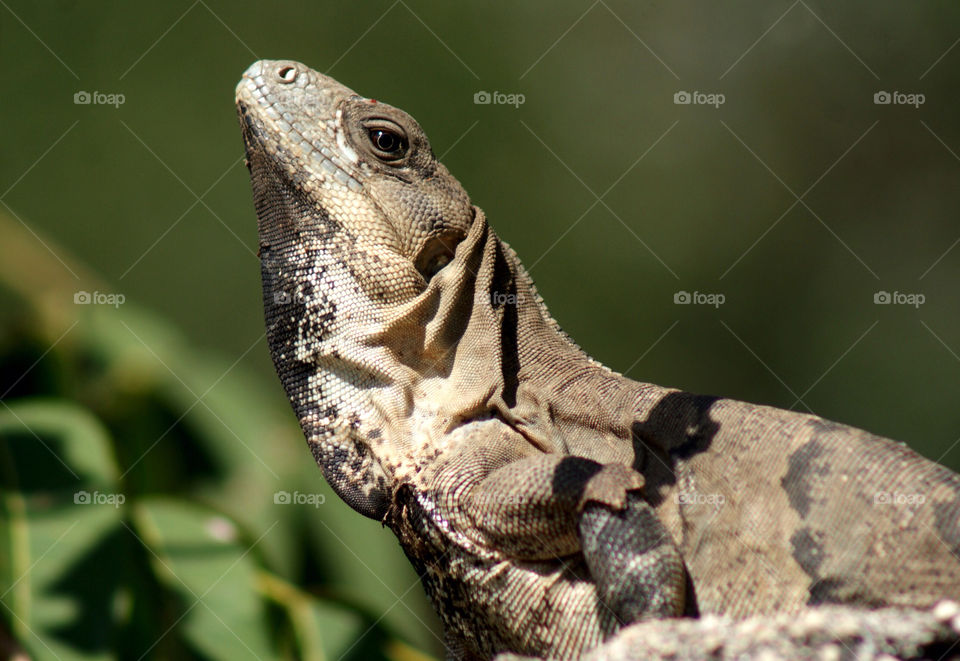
point(287, 74)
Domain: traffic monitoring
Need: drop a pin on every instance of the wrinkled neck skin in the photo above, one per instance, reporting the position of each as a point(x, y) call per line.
point(478, 344)
point(380, 389)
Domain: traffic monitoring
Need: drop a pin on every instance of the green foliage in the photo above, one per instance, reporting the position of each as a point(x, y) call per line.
point(137, 497)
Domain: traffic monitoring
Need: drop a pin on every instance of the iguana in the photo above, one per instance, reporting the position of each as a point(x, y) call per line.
point(545, 500)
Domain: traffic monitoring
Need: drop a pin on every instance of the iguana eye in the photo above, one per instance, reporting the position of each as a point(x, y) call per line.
point(388, 141)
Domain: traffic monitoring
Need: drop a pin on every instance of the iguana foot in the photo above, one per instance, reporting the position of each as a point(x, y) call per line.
point(638, 570)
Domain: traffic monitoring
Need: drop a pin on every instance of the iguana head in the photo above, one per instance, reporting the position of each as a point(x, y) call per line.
point(356, 218)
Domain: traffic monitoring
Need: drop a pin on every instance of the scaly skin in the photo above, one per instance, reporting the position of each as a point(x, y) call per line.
point(545, 499)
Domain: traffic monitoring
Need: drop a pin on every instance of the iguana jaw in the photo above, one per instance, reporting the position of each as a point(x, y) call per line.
point(346, 245)
point(314, 266)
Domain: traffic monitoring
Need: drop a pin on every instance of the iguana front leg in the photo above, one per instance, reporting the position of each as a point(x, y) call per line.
point(637, 569)
point(548, 507)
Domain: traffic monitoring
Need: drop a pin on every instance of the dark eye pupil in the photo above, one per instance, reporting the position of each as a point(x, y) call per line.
point(385, 141)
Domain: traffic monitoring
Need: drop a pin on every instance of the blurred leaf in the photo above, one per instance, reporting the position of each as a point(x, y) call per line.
point(137, 513)
point(55, 444)
point(198, 554)
point(60, 611)
point(322, 630)
point(339, 628)
point(67, 511)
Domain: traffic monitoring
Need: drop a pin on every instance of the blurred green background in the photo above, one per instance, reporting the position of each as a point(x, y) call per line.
point(799, 199)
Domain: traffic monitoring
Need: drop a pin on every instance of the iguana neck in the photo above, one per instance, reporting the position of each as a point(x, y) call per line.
point(479, 343)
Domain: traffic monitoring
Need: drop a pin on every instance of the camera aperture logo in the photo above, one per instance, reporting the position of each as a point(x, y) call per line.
point(98, 298)
point(696, 98)
point(896, 98)
point(484, 98)
point(297, 498)
point(698, 298)
point(97, 498)
point(898, 298)
point(84, 98)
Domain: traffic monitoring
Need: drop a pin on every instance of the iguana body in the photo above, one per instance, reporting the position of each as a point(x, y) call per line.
point(545, 499)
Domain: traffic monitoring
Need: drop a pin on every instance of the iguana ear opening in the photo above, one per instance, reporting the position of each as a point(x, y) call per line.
point(440, 248)
point(437, 252)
